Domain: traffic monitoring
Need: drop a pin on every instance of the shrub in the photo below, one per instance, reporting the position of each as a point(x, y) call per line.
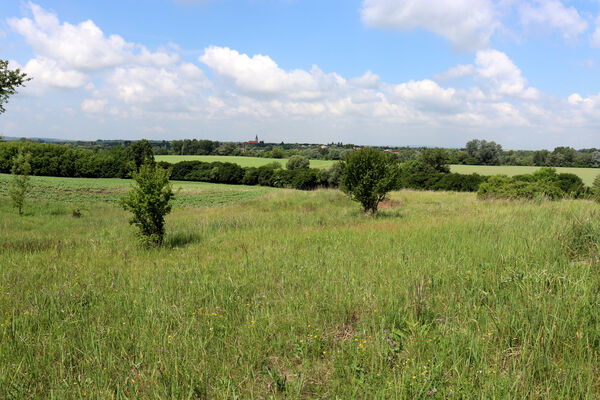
point(369, 175)
point(19, 184)
point(149, 201)
point(297, 162)
point(305, 179)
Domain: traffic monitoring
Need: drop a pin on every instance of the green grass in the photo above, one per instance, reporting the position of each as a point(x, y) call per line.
point(586, 174)
point(243, 161)
point(78, 191)
point(299, 295)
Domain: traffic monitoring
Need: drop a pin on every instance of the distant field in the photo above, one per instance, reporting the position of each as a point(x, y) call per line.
point(586, 174)
point(55, 190)
point(243, 161)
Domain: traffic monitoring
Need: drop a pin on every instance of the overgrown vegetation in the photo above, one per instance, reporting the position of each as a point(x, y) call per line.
point(298, 295)
point(543, 183)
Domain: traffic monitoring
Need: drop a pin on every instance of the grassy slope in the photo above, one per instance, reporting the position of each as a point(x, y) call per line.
point(298, 295)
point(586, 174)
point(243, 161)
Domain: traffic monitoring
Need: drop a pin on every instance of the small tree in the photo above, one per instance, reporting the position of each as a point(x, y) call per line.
point(297, 162)
point(368, 176)
point(19, 184)
point(149, 200)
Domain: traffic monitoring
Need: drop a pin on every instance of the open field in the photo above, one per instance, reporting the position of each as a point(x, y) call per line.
point(243, 161)
point(54, 191)
point(289, 294)
point(586, 174)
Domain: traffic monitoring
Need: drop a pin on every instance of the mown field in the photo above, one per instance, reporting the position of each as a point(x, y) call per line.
point(289, 294)
point(243, 161)
point(586, 174)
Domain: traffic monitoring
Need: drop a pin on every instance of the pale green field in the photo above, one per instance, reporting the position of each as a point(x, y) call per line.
point(586, 174)
point(243, 161)
point(299, 295)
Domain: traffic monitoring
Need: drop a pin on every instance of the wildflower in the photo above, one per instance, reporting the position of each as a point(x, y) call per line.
point(253, 322)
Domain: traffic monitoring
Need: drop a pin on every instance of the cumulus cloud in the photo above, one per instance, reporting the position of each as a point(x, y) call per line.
point(552, 14)
point(83, 47)
point(260, 75)
point(498, 71)
point(468, 24)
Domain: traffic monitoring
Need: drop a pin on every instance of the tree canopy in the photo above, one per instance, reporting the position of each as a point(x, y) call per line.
point(10, 80)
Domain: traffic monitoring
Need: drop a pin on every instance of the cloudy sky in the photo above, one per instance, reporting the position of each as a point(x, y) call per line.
point(525, 73)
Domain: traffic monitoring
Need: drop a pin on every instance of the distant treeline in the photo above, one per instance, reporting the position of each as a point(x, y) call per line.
point(48, 159)
point(475, 152)
point(430, 171)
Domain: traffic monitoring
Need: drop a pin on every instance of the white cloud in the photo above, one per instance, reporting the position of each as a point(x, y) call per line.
point(460, 71)
point(259, 75)
point(468, 24)
point(552, 14)
point(503, 76)
point(93, 105)
point(84, 46)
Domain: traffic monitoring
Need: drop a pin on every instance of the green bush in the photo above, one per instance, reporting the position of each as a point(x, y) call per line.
point(369, 175)
point(149, 200)
point(297, 162)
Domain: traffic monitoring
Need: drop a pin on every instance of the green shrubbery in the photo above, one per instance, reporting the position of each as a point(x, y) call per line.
point(543, 183)
point(369, 175)
point(149, 201)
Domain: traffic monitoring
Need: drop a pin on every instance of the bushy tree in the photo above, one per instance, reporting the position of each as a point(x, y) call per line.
point(437, 158)
point(369, 175)
point(10, 80)
point(484, 152)
point(297, 162)
point(140, 153)
point(19, 184)
point(149, 200)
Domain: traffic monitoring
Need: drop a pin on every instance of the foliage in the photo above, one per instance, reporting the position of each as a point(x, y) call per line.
point(140, 153)
point(149, 201)
point(369, 175)
point(543, 183)
point(484, 152)
point(297, 162)
point(19, 184)
point(10, 80)
point(437, 158)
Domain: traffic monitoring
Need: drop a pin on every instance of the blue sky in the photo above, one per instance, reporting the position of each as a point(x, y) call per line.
point(383, 72)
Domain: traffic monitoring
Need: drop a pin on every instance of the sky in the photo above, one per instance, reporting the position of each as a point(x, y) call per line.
point(523, 73)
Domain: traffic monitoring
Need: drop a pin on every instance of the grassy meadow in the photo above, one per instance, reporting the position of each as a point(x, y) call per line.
point(298, 295)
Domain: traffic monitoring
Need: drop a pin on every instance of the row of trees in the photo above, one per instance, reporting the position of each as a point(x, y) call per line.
point(475, 152)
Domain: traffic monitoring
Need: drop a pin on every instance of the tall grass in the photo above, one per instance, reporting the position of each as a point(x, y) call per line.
point(299, 295)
